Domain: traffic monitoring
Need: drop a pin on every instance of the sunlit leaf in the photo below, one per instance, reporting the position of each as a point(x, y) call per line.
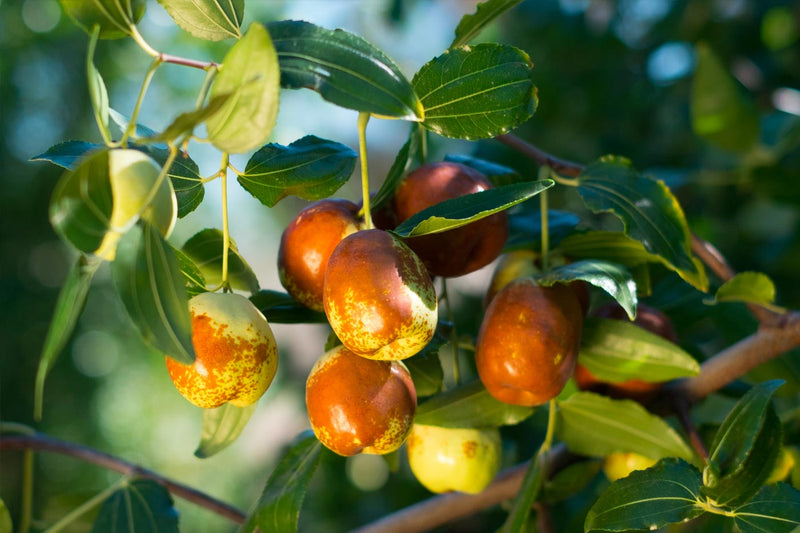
point(212, 20)
point(221, 427)
point(281, 308)
point(748, 287)
point(113, 17)
point(205, 249)
point(471, 25)
point(469, 406)
point(185, 123)
point(141, 506)
point(776, 509)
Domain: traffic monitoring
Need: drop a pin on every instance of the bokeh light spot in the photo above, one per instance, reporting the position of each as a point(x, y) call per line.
point(40, 16)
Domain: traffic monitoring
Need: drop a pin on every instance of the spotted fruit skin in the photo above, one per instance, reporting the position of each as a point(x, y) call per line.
point(461, 250)
point(307, 244)
point(454, 459)
point(236, 354)
point(358, 405)
point(528, 342)
point(619, 465)
point(378, 297)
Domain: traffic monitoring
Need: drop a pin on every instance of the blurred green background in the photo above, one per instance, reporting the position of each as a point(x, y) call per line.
point(613, 77)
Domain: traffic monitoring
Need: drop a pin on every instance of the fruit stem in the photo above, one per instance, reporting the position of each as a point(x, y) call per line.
point(135, 114)
point(453, 333)
point(544, 173)
point(168, 58)
point(226, 238)
point(551, 428)
point(363, 119)
point(423, 144)
point(87, 506)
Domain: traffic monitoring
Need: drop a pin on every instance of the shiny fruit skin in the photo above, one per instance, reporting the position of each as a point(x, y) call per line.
point(528, 342)
point(236, 354)
point(358, 405)
point(458, 251)
point(307, 244)
point(511, 266)
point(454, 459)
point(378, 297)
point(619, 465)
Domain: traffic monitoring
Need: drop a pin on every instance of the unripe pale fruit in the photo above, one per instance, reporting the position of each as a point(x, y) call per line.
point(619, 465)
point(528, 342)
point(307, 244)
point(378, 297)
point(236, 354)
point(511, 266)
point(357, 405)
point(457, 251)
point(454, 459)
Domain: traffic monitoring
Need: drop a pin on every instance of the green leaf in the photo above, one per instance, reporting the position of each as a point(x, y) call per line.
point(776, 509)
point(528, 493)
point(344, 69)
point(648, 499)
point(594, 425)
point(499, 175)
point(194, 278)
point(749, 287)
point(212, 20)
point(281, 308)
point(205, 249)
point(469, 406)
point(112, 16)
point(397, 171)
point(250, 74)
point(71, 299)
point(222, 426)
point(185, 123)
point(311, 168)
point(141, 506)
point(147, 279)
point(476, 92)
point(5, 518)
point(278, 508)
point(525, 227)
point(569, 481)
point(67, 154)
point(648, 210)
point(460, 211)
point(426, 368)
point(613, 279)
point(616, 351)
point(745, 448)
point(185, 176)
point(486, 12)
point(721, 114)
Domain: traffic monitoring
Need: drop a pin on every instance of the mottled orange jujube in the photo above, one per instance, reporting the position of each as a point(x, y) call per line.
point(307, 244)
point(357, 405)
point(528, 342)
point(236, 354)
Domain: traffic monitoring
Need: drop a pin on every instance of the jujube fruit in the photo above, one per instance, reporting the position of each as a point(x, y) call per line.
point(528, 342)
point(378, 296)
point(236, 354)
point(618, 465)
point(358, 405)
point(307, 243)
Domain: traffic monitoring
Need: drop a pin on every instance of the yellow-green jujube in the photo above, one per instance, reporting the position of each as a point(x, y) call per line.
point(618, 465)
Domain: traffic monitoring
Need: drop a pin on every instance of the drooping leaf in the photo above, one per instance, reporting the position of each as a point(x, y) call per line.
point(471, 25)
point(67, 154)
point(278, 508)
point(616, 351)
point(71, 299)
point(221, 427)
point(525, 227)
point(141, 506)
point(614, 279)
point(476, 92)
point(344, 69)
point(281, 308)
point(749, 287)
point(460, 211)
point(185, 123)
point(426, 368)
point(594, 425)
point(148, 280)
point(720, 112)
point(311, 168)
point(212, 20)
point(250, 74)
point(498, 174)
point(648, 499)
point(112, 16)
point(648, 210)
point(205, 249)
point(469, 406)
point(776, 509)
point(194, 278)
point(397, 171)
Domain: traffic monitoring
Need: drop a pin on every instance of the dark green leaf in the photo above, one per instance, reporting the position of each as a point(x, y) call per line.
point(397, 171)
point(648, 210)
point(195, 281)
point(69, 305)
point(525, 227)
point(616, 351)
point(205, 249)
point(278, 508)
point(499, 175)
point(311, 168)
point(460, 211)
point(250, 74)
point(141, 506)
point(527, 495)
point(613, 279)
point(749, 287)
point(426, 368)
point(185, 123)
point(476, 92)
point(212, 20)
point(775, 509)
point(486, 12)
point(149, 282)
point(185, 176)
point(469, 406)
point(112, 16)
point(720, 112)
point(344, 69)
point(280, 308)
point(594, 425)
point(67, 154)
point(572, 479)
point(648, 499)
point(222, 426)
point(5, 518)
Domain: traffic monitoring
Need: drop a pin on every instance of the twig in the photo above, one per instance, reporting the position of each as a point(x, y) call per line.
point(41, 442)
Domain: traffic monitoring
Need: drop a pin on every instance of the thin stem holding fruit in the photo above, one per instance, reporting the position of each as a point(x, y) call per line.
point(226, 236)
point(453, 333)
point(544, 172)
point(363, 119)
